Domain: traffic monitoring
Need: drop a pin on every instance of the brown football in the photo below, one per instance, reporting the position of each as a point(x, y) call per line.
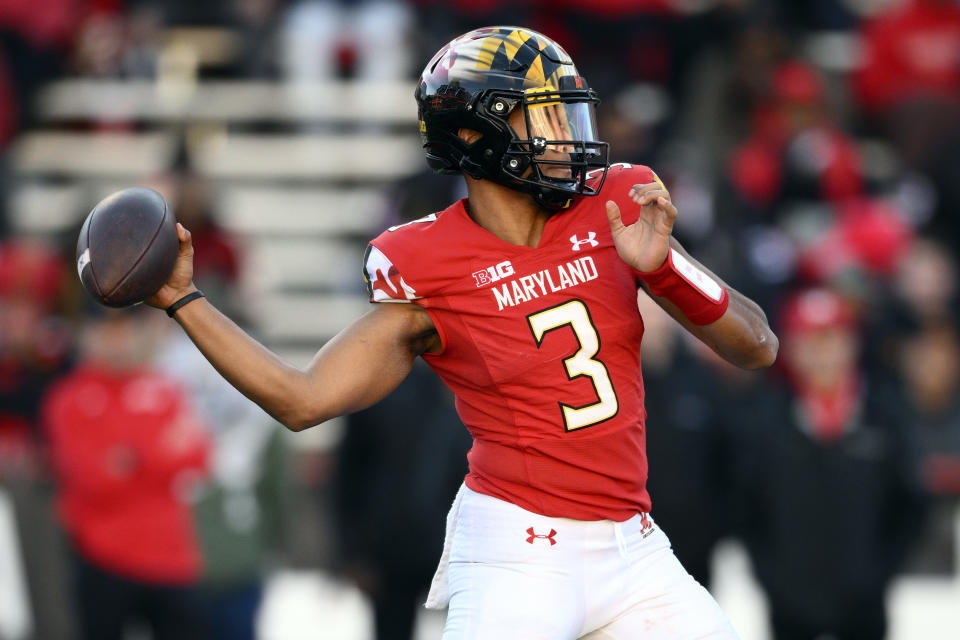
point(127, 247)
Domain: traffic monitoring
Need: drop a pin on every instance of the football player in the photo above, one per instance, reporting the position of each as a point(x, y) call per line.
point(522, 297)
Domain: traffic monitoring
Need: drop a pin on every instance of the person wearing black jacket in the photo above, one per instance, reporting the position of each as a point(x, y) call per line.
point(831, 498)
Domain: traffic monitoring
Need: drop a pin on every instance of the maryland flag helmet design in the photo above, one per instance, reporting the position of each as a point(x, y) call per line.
point(478, 81)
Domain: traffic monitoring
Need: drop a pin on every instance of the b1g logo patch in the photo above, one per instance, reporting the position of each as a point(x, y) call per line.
point(492, 274)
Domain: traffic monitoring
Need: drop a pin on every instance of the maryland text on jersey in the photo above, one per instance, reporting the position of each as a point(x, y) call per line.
point(534, 285)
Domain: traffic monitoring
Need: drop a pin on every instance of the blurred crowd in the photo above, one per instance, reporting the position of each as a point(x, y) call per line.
point(813, 150)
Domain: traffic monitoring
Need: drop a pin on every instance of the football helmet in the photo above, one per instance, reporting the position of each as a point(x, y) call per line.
point(478, 80)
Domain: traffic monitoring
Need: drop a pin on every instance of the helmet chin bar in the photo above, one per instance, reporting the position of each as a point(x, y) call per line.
point(549, 191)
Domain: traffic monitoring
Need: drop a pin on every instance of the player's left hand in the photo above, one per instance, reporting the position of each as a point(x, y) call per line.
point(644, 244)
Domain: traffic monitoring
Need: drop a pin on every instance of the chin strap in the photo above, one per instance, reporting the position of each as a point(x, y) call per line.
point(553, 202)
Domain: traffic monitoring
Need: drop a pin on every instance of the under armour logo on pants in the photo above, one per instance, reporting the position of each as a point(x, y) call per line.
point(549, 536)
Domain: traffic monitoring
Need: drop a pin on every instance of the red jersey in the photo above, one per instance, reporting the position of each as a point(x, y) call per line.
point(124, 447)
point(541, 346)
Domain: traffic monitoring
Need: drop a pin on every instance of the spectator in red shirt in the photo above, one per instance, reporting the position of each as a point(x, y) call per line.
point(35, 351)
point(795, 151)
point(34, 346)
point(910, 79)
point(127, 449)
point(911, 50)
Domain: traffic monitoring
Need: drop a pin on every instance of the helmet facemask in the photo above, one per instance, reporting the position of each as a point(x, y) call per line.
point(556, 147)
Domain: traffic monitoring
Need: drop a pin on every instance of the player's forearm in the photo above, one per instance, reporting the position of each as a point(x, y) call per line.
point(742, 335)
point(277, 387)
point(358, 367)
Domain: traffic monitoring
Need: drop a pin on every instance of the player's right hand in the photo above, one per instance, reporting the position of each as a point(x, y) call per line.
point(180, 282)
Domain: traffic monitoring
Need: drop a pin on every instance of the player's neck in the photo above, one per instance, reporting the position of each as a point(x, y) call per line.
point(510, 215)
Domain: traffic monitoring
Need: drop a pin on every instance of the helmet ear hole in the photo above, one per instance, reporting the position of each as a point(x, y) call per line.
point(468, 135)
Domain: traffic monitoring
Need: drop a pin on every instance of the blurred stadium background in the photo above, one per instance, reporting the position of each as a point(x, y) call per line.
point(806, 143)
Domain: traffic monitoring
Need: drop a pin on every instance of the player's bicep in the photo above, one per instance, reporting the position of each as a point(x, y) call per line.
point(367, 360)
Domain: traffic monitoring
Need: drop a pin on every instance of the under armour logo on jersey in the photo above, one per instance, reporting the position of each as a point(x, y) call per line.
point(577, 242)
point(549, 536)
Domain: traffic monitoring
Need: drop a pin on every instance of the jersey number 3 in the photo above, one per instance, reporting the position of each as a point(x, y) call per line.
point(582, 363)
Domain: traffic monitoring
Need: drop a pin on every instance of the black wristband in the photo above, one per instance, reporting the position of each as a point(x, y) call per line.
point(190, 297)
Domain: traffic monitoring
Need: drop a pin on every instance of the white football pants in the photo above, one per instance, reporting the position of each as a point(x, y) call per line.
point(507, 573)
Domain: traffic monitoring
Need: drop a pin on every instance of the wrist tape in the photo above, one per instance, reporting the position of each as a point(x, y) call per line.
point(698, 296)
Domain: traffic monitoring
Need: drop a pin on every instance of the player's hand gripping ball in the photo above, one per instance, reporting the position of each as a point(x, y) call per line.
point(127, 247)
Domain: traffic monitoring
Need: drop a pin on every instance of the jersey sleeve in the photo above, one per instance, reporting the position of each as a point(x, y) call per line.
point(384, 281)
point(620, 178)
point(414, 261)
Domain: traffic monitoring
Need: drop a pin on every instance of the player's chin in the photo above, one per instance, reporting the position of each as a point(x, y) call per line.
point(557, 172)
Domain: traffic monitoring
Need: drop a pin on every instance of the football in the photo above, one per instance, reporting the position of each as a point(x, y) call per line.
point(127, 247)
